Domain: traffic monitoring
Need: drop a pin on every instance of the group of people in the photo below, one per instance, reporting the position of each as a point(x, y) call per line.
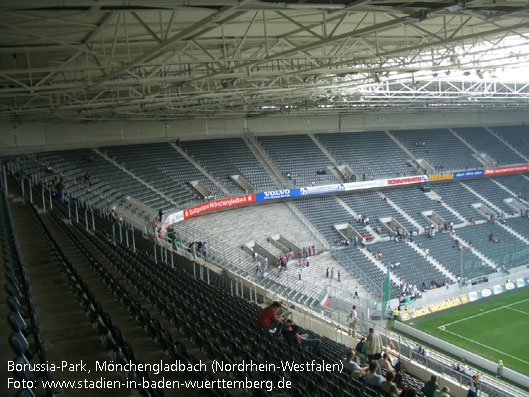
point(371, 373)
point(399, 234)
point(363, 220)
point(282, 261)
point(113, 215)
point(347, 243)
point(330, 272)
point(495, 218)
point(58, 187)
point(473, 385)
point(414, 290)
point(269, 321)
point(261, 267)
point(198, 249)
point(379, 361)
point(305, 252)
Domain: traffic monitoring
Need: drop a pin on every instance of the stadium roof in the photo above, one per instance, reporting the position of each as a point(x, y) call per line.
point(171, 59)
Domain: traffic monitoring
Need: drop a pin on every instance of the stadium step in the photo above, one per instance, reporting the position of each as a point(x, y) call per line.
point(200, 168)
point(433, 261)
point(136, 177)
point(65, 330)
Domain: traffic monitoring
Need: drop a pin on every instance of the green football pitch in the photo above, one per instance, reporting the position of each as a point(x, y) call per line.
point(496, 328)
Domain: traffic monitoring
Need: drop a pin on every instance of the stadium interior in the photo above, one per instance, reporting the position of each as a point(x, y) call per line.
point(330, 154)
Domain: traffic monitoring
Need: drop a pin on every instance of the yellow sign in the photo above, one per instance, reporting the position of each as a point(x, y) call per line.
point(434, 307)
point(438, 177)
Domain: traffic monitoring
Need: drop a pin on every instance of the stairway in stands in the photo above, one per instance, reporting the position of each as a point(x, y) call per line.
point(65, 329)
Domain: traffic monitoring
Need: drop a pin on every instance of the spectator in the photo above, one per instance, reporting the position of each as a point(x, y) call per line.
point(60, 188)
point(174, 240)
point(372, 378)
point(498, 370)
point(193, 249)
point(204, 250)
point(160, 216)
point(445, 392)
point(373, 345)
point(389, 386)
point(291, 334)
point(361, 346)
point(353, 316)
point(87, 178)
point(431, 386)
point(385, 363)
point(473, 386)
point(268, 319)
point(350, 365)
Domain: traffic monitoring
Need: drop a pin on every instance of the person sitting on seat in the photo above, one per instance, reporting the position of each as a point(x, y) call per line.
point(389, 386)
point(431, 386)
point(385, 363)
point(351, 365)
point(445, 392)
point(291, 334)
point(268, 320)
point(372, 378)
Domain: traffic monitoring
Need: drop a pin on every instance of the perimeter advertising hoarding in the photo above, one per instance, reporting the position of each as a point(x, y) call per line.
point(277, 194)
point(349, 186)
point(342, 187)
point(441, 177)
point(463, 299)
point(434, 307)
point(406, 180)
point(218, 204)
point(507, 170)
point(306, 191)
point(468, 174)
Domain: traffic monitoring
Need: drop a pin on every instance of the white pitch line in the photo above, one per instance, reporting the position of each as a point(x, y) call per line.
point(481, 314)
point(517, 310)
point(488, 347)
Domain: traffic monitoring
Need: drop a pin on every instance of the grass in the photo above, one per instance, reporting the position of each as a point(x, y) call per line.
point(495, 328)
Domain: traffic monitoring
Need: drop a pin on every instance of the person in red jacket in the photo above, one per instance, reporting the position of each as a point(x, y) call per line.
point(268, 320)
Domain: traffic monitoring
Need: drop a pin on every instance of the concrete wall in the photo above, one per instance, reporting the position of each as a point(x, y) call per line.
point(459, 352)
point(33, 137)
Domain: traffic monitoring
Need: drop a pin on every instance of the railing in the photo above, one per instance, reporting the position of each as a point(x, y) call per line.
point(337, 319)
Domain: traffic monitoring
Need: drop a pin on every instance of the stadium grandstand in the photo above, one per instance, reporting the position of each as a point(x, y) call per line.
point(257, 198)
